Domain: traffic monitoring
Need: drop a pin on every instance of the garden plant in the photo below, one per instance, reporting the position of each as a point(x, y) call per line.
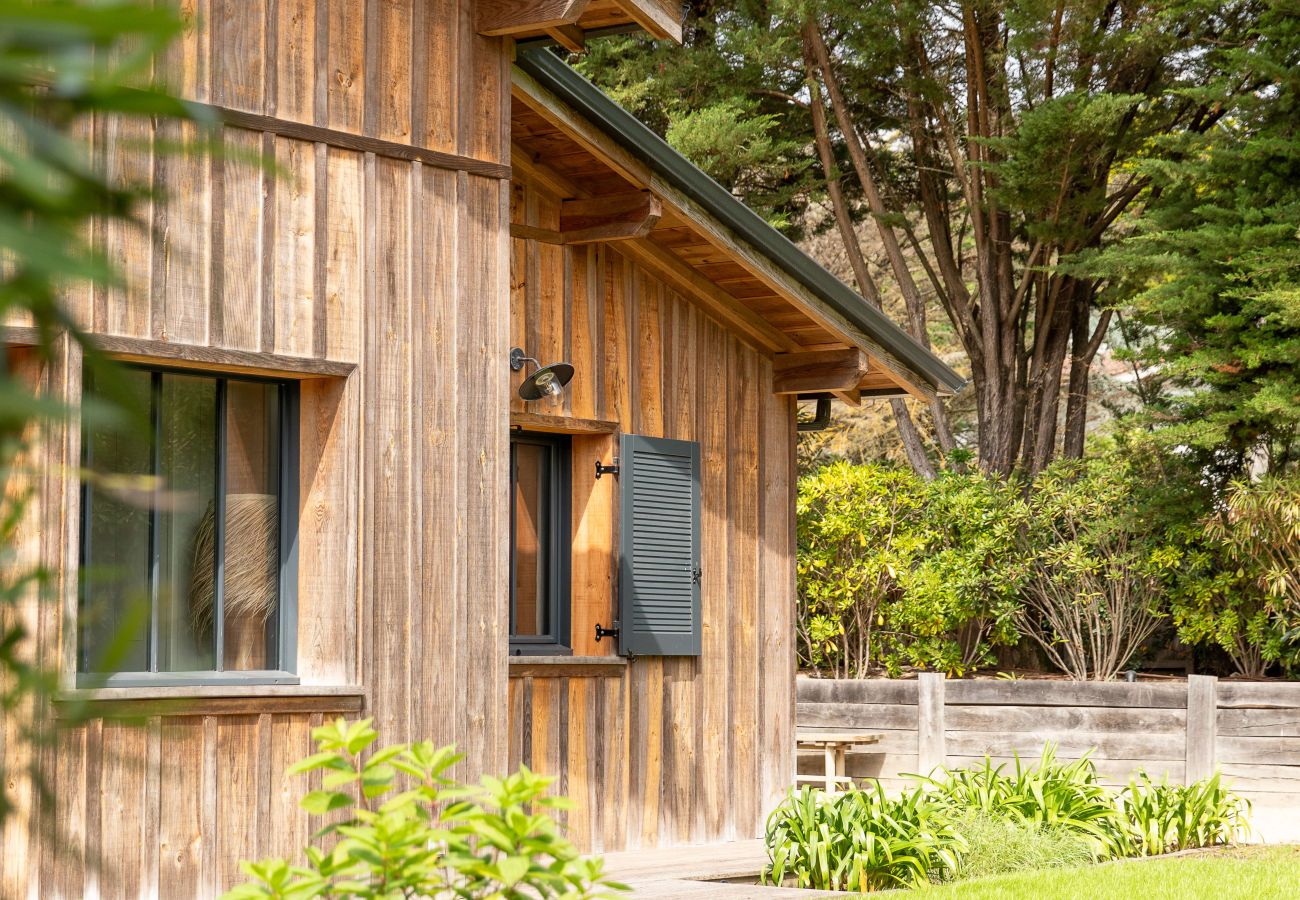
point(987, 820)
point(398, 826)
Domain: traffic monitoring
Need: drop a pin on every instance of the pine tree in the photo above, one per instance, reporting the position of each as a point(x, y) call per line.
point(1214, 266)
point(991, 145)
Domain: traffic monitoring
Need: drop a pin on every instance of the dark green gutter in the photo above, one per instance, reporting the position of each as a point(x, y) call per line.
point(589, 101)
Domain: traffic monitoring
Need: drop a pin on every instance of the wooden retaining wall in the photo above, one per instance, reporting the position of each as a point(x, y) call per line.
point(1248, 731)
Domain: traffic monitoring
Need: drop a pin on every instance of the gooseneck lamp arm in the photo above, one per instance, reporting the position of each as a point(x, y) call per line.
point(547, 381)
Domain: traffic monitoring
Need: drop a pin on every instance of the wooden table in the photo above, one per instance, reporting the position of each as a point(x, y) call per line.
point(834, 744)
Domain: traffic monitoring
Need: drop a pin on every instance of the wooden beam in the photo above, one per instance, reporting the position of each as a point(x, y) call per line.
point(570, 37)
point(609, 217)
point(820, 370)
point(562, 424)
point(527, 166)
point(599, 219)
point(729, 311)
point(660, 18)
point(194, 356)
point(850, 398)
point(514, 17)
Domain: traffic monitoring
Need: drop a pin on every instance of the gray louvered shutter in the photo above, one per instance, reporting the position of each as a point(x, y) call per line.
point(659, 572)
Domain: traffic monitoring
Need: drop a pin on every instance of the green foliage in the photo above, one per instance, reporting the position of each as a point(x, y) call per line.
point(62, 62)
point(1093, 573)
point(996, 846)
point(894, 570)
point(1241, 873)
point(1166, 817)
point(1049, 794)
point(983, 820)
point(1212, 267)
point(861, 840)
point(397, 826)
point(1259, 525)
point(700, 98)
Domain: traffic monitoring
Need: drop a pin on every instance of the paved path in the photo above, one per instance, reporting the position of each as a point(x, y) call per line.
point(700, 872)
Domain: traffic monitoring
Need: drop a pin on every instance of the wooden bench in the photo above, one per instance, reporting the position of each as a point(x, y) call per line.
point(833, 744)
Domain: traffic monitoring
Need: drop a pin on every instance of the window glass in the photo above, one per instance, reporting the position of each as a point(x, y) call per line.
point(531, 520)
point(116, 540)
point(183, 567)
point(539, 546)
point(252, 532)
point(188, 473)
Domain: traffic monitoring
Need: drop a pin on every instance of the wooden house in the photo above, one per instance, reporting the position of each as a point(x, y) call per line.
point(348, 507)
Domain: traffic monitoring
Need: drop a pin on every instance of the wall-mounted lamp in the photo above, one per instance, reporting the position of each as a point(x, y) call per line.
point(547, 381)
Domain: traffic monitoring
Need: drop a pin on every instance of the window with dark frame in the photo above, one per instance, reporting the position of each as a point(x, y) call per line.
point(188, 561)
point(539, 543)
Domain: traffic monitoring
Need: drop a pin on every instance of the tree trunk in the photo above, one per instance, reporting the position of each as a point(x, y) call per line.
point(908, 433)
point(815, 51)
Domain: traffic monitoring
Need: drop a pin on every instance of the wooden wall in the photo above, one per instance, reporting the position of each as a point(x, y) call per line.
point(1185, 730)
point(356, 253)
point(668, 750)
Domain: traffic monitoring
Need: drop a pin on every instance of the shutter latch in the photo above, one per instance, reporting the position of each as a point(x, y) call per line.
point(606, 632)
point(602, 469)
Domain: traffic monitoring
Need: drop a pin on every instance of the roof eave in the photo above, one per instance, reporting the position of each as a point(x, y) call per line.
point(624, 128)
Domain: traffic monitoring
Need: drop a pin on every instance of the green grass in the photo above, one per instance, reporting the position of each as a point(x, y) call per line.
point(1246, 873)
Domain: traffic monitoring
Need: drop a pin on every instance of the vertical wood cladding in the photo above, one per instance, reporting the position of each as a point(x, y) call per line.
point(396, 266)
point(679, 749)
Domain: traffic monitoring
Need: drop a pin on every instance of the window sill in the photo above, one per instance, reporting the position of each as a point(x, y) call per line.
point(567, 666)
point(210, 700)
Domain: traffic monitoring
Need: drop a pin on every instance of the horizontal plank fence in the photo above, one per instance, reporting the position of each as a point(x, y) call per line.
point(1250, 732)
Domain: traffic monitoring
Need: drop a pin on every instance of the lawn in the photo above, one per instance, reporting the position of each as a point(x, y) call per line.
point(1248, 873)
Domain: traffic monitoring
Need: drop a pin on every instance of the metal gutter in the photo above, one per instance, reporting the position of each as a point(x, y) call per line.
point(558, 77)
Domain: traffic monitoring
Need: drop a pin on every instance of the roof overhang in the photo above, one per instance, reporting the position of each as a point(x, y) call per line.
point(558, 94)
point(570, 22)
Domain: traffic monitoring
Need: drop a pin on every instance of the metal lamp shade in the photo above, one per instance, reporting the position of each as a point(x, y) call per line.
point(548, 381)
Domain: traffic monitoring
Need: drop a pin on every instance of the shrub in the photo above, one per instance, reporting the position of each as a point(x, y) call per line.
point(984, 820)
point(1260, 525)
point(1166, 817)
point(861, 840)
point(400, 828)
point(897, 571)
point(1093, 574)
point(996, 846)
point(1060, 796)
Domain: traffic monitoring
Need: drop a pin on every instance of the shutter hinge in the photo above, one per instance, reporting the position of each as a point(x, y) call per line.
point(606, 632)
point(697, 575)
point(602, 469)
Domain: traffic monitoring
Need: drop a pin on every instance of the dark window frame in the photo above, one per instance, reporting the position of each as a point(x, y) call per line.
point(558, 549)
point(285, 628)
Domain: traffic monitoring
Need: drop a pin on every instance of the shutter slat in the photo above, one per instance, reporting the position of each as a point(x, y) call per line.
point(660, 510)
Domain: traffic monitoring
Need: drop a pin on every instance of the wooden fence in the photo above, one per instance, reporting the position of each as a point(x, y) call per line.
point(1248, 731)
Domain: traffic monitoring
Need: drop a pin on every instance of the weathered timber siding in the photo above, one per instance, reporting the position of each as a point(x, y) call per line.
point(366, 258)
point(677, 750)
point(1250, 732)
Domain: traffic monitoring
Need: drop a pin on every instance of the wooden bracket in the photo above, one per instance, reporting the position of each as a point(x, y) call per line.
point(612, 217)
point(496, 17)
point(834, 371)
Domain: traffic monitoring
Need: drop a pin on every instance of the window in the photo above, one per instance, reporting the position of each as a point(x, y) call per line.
point(187, 556)
point(539, 545)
